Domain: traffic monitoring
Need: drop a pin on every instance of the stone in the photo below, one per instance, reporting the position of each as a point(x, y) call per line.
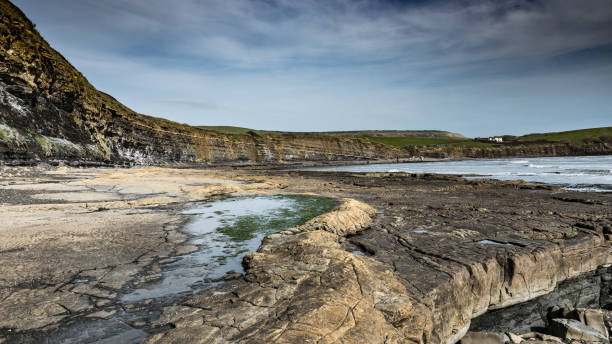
point(593, 318)
point(103, 314)
point(574, 329)
point(542, 336)
point(185, 249)
point(514, 338)
point(483, 338)
point(549, 338)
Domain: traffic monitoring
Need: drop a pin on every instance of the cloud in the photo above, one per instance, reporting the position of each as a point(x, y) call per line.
point(468, 65)
point(282, 33)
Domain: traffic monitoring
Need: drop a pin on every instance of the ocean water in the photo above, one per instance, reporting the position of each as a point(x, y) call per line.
point(582, 173)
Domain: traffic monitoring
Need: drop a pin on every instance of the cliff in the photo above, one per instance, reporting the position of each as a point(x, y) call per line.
point(599, 146)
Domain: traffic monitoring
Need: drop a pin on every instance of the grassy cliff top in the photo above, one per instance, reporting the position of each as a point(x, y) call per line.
point(425, 134)
point(575, 137)
point(415, 134)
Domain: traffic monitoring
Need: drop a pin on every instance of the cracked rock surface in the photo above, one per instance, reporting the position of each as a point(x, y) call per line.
point(404, 258)
point(442, 251)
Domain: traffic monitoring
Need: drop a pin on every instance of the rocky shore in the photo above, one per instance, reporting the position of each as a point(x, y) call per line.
point(404, 258)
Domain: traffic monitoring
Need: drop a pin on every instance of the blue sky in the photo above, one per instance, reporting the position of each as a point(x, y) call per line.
point(478, 67)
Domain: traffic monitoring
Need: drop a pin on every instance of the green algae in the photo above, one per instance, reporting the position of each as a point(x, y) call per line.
point(303, 208)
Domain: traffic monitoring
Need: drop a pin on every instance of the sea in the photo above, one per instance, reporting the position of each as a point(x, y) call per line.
point(578, 173)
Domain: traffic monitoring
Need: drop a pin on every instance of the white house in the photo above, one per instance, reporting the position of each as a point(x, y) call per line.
point(497, 139)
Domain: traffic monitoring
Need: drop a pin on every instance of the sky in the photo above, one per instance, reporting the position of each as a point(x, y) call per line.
point(477, 67)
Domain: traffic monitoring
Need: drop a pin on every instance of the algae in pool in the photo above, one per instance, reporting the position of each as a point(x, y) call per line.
point(302, 209)
point(225, 231)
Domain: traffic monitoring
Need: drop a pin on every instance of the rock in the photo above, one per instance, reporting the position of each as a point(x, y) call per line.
point(86, 289)
point(593, 318)
point(232, 276)
point(102, 302)
point(541, 336)
point(574, 329)
point(514, 338)
point(103, 314)
point(168, 261)
point(483, 338)
point(185, 249)
point(548, 338)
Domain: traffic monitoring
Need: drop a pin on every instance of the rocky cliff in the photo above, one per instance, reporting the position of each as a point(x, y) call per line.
point(600, 146)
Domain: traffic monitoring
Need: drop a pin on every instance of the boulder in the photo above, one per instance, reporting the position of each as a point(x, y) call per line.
point(514, 338)
point(574, 329)
point(483, 338)
point(541, 336)
point(593, 318)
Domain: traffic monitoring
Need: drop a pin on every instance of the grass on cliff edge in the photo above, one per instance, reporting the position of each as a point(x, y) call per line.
point(576, 137)
point(231, 130)
point(416, 141)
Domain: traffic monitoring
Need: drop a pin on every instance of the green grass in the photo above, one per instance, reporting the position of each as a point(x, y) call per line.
point(575, 137)
point(42, 141)
point(416, 141)
point(228, 129)
point(304, 208)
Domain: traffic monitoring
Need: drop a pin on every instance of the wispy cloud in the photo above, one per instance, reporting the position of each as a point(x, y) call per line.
point(391, 64)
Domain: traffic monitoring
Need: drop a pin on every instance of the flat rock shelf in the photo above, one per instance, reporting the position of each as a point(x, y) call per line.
point(221, 232)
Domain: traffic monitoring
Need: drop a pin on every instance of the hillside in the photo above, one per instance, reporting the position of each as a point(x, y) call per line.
point(426, 134)
point(575, 137)
point(416, 134)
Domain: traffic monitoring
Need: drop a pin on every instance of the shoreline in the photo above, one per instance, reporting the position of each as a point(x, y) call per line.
point(271, 165)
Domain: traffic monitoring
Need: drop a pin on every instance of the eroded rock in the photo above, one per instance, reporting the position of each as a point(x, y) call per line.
point(484, 338)
point(573, 329)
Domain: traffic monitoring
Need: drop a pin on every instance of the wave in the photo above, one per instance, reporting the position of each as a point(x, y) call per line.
point(543, 166)
point(599, 172)
point(576, 173)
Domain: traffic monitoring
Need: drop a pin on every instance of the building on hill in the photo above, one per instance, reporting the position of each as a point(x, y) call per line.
point(497, 139)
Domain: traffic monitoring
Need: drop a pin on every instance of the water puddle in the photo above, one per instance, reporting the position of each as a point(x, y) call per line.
point(419, 231)
point(224, 231)
point(491, 242)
